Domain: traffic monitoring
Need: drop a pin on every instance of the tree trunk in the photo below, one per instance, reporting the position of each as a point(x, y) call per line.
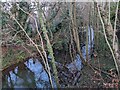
point(107, 26)
point(49, 47)
point(74, 29)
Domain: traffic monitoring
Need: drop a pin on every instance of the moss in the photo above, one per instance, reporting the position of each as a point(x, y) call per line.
point(20, 55)
point(13, 56)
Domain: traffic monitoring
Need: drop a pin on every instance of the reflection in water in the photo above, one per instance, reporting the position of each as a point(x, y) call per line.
point(28, 74)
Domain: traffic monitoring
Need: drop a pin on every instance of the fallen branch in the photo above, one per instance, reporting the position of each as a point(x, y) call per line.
point(76, 78)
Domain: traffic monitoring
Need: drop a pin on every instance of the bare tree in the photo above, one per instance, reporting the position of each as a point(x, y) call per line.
point(109, 32)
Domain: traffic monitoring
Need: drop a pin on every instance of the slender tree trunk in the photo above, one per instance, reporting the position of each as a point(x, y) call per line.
point(49, 47)
point(74, 29)
point(0, 52)
point(107, 28)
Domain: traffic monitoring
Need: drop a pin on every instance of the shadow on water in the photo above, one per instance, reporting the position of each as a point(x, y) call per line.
point(31, 73)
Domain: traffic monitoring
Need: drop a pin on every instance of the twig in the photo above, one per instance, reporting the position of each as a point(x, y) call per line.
point(26, 49)
point(109, 11)
point(95, 68)
point(49, 47)
point(15, 35)
point(114, 34)
point(30, 41)
point(45, 55)
point(76, 78)
point(115, 61)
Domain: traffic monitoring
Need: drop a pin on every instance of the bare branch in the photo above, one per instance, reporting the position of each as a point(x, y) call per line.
point(108, 41)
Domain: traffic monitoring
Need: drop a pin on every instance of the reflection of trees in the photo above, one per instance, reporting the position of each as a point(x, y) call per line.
point(24, 74)
point(27, 75)
point(5, 84)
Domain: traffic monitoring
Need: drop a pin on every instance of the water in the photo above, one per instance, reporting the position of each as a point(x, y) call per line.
point(90, 42)
point(31, 73)
point(77, 64)
point(28, 74)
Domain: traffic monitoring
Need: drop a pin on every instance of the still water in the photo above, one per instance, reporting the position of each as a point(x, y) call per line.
point(29, 74)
